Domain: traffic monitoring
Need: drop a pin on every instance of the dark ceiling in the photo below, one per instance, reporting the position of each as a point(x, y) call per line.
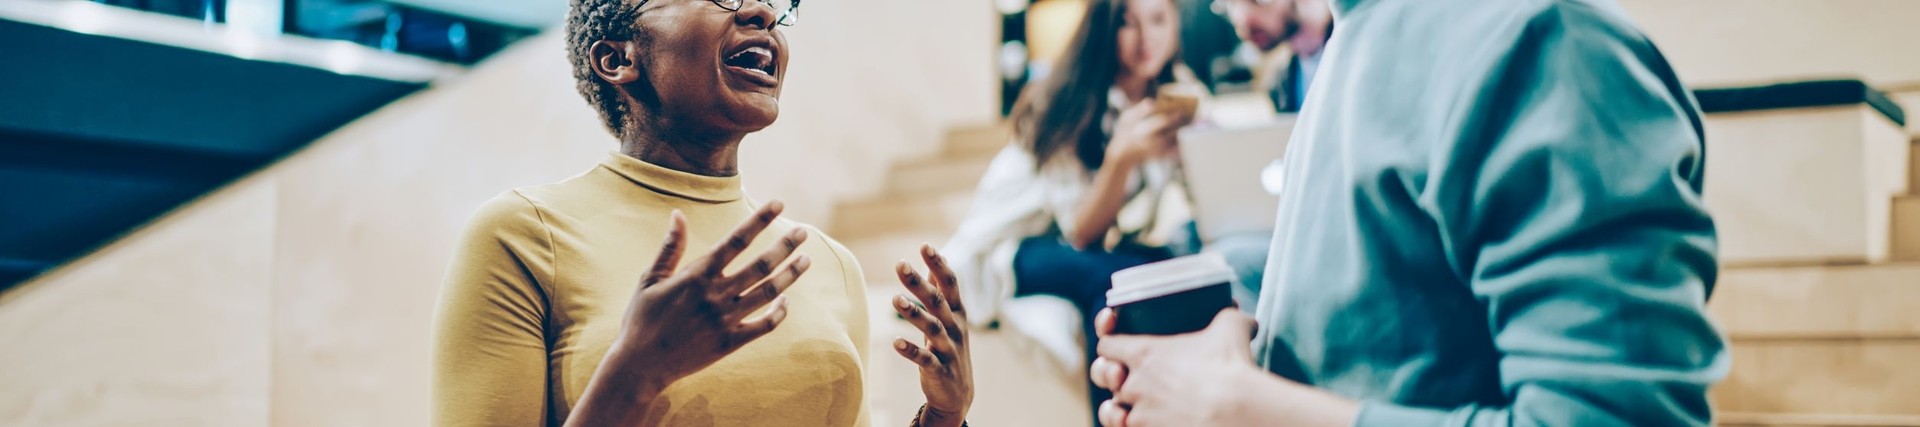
point(99, 135)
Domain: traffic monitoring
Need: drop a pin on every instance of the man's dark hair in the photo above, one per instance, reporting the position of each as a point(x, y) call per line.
point(589, 21)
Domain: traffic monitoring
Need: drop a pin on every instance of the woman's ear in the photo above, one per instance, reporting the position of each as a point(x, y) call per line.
point(614, 61)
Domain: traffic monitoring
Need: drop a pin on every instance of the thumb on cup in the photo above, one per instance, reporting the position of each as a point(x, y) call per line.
point(1103, 323)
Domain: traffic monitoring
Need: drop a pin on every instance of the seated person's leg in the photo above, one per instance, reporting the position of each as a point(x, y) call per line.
point(1046, 265)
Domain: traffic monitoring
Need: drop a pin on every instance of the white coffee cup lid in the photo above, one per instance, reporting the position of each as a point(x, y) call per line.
point(1168, 277)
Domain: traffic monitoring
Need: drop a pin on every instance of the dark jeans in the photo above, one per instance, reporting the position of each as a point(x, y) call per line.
point(1048, 266)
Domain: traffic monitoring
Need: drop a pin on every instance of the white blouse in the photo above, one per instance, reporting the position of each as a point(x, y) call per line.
point(1017, 200)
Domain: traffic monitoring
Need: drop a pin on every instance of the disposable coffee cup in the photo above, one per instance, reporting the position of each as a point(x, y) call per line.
point(1169, 297)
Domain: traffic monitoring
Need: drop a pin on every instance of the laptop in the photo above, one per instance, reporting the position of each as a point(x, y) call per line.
point(1225, 168)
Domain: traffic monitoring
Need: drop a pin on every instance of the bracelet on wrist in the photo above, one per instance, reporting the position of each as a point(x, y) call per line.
point(922, 413)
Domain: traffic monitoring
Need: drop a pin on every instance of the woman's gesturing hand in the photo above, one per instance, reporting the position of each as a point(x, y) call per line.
point(683, 319)
point(946, 363)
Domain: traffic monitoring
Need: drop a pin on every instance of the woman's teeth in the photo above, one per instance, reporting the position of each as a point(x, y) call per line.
point(756, 58)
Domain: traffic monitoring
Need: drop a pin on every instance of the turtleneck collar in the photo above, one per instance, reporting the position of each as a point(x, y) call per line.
point(712, 189)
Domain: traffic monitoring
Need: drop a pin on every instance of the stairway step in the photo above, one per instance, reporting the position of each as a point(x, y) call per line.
point(1847, 377)
point(930, 213)
point(1913, 164)
point(977, 140)
point(938, 175)
point(1880, 300)
point(1802, 186)
point(1744, 419)
point(1906, 227)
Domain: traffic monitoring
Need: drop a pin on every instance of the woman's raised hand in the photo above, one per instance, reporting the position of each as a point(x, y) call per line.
point(946, 363)
point(683, 319)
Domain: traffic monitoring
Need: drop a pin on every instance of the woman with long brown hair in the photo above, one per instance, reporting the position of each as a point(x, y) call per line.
point(1090, 184)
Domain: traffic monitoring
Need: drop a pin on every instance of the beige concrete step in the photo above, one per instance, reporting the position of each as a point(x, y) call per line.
point(1820, 345)
point(977, 140)
point(1838, 302)
point(1744, 419)
point(908, 213)
point(937, 175)
point(1906, 227)
point(1013, 384)
point(1913, 165)
point(1849, 377)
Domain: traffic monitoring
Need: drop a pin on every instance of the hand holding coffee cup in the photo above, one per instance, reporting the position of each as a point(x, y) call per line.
point(1175, 296)
point(1172, 319)
point(1145, 131)
point(1181, 103)
point(1161, 380)
point(1170, 297)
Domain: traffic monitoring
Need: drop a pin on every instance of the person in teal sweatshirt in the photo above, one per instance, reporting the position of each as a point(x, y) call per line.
point(1492, 217)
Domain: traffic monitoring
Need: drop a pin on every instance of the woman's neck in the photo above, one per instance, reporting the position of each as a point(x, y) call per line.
point(691, 152)
point(1134, 87)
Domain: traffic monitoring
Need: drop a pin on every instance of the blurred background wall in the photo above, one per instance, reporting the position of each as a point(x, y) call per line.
point(1733, 42)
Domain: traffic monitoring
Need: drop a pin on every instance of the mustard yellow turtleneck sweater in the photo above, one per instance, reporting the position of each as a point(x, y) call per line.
point(543, 275)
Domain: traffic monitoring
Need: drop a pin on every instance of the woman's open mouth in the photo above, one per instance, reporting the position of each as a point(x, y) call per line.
point(756, 62)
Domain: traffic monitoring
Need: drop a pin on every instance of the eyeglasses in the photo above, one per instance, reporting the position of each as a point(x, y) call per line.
point(1225, 7)
point(785, 12)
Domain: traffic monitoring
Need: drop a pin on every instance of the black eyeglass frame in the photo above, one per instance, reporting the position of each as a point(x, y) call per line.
point(782, 18)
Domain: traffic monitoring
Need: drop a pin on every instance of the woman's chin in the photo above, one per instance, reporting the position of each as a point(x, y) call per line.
point(755, 115)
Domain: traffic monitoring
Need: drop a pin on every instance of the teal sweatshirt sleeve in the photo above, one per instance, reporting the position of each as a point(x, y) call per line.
point(1570, 199)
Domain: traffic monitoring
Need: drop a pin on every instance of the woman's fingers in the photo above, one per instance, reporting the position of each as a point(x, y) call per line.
point(670, 250)
point(916, 354)
point(1158, 124)
point(764, 265)
point(750, 329)
point(934, 329)
point(1137, 111)
point(737, 241)
point(1143, 128)
point(931, 299)
point(1112, 415)
point(753, 298)
point(943, 279)
point(918, 285)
